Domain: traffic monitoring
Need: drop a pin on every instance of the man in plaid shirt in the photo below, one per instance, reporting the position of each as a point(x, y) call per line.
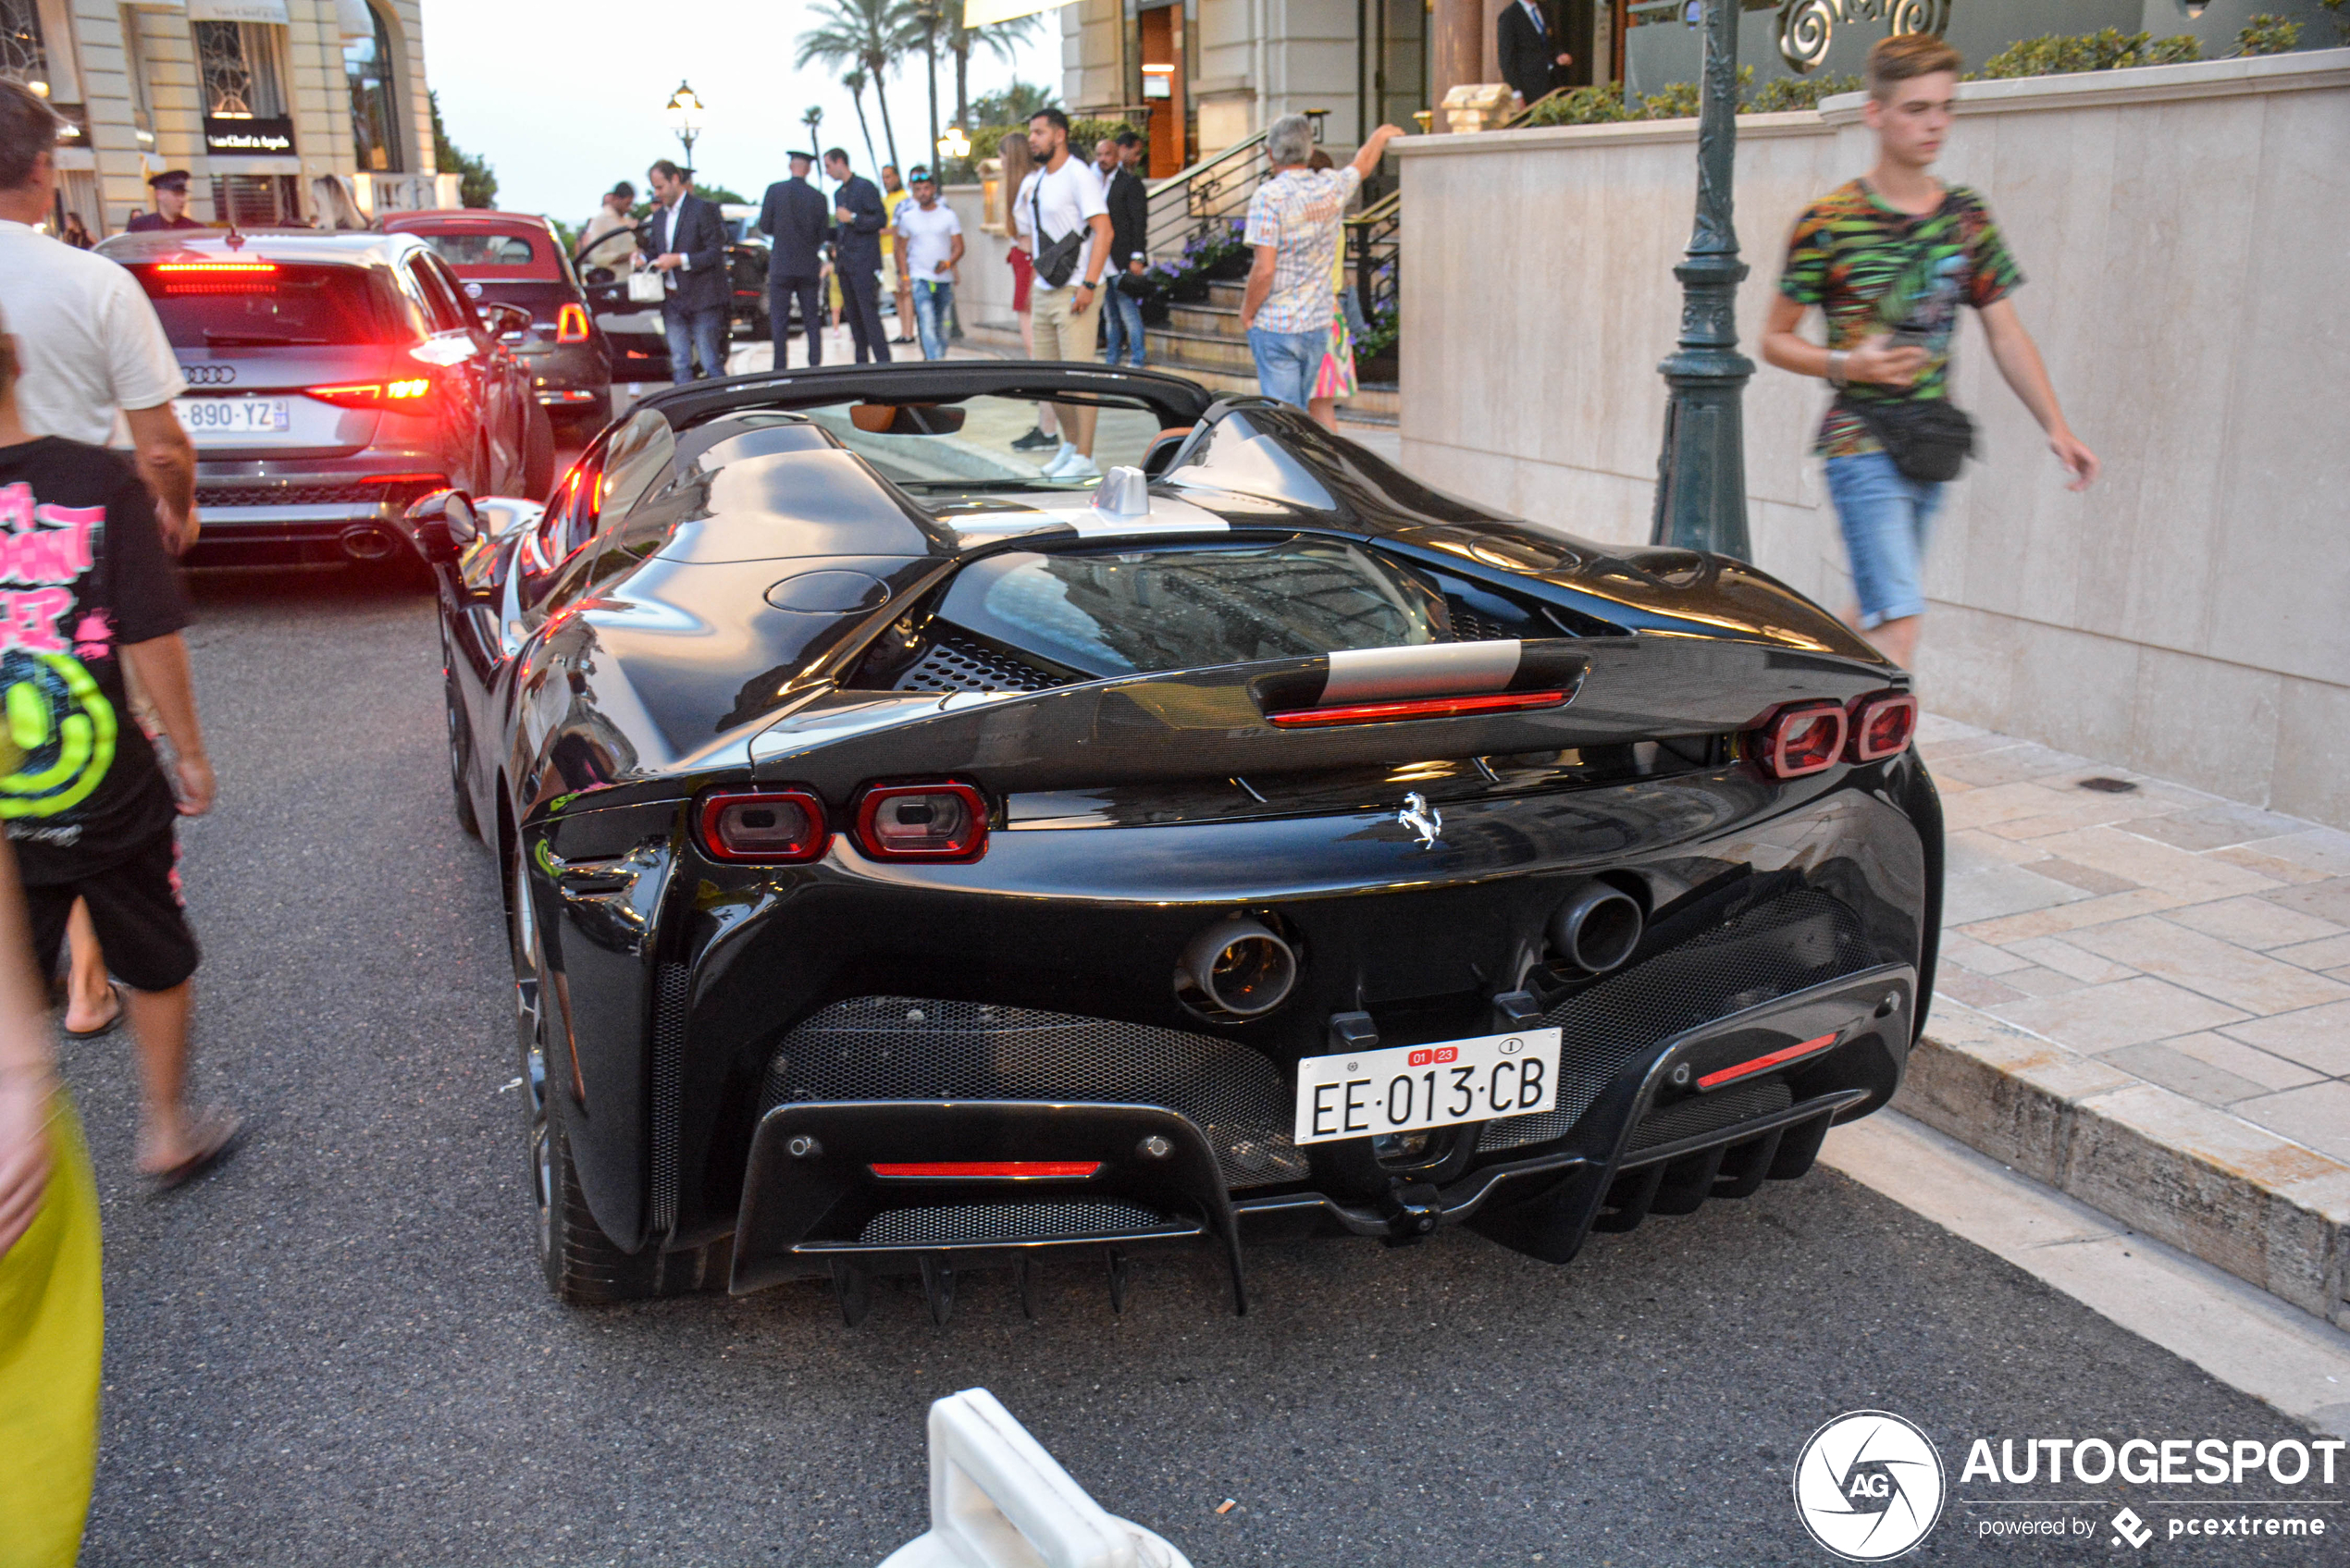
point(1292, 226)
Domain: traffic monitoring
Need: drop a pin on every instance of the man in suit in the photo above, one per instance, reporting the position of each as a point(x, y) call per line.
point(1531, 58)
point(794, 219)
point(858, 215)
point(687, 242)
point(1130, 221)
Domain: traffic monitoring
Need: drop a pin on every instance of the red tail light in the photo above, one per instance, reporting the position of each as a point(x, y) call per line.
point(1765, 1063)
point(930, 822)
point(765, 826)
point(1882, 726)
point(218, 276)
point(412, 394)
point(1806, 738)
point(1417, 707)
point(571, 324)
point(988, 1171)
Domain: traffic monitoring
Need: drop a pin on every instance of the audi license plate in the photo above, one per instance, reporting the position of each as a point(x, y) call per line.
point(234, 416)
point(1405, 1088)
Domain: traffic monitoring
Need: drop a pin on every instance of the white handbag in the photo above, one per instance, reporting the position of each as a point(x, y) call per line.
point(646, 288)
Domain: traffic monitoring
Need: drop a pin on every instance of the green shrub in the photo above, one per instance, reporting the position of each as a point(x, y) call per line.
point(1580, 105)
point(2109, 50)
point(2266, 34)
point(1784, 93)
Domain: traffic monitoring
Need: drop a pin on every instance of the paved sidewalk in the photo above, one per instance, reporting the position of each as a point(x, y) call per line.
point(2189, 941)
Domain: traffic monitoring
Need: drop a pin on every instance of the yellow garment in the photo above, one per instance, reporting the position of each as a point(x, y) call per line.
point(52, 1329)
point(890, 199)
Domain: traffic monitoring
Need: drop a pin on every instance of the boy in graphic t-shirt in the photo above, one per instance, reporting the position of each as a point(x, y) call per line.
point(1889, 258)
point(86, 591)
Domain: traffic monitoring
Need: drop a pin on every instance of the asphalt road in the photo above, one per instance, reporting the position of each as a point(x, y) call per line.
point(338, 1350)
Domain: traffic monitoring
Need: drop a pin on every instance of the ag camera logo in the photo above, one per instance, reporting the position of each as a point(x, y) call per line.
point(1869, 1485)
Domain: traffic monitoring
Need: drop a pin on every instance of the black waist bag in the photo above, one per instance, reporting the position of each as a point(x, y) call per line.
point(1929, 439)
point(1055, 259)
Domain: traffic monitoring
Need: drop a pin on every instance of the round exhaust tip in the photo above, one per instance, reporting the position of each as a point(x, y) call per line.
point(1235, 969)
point(368, 542)
point(1596, 929)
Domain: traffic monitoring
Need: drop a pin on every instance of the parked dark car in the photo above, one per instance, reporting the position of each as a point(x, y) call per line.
point(513, 258)
point(915, 863)
point(333, 379)
point(746, 251)
point(640, 345)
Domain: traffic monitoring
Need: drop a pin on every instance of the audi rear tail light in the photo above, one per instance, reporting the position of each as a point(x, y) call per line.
point(407, 395)
point(1882, 726)
point(571, 324)
point(928, 821)
point(765, 826)
point(1806, 738)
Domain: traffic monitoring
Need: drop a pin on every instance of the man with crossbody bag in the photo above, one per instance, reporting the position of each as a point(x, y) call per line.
point(1889, 258)
point(1061, 209)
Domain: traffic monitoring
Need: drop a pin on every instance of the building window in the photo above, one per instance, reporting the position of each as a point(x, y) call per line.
point(134, 68)
point(239, 65)
point(22, 57)
point(257, 201)
point(368, 64)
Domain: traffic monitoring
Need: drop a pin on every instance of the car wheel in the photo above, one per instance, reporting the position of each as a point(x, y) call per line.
point(460, 749)
point(538, 455)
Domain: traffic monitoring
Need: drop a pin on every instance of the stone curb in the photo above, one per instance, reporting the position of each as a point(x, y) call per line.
point(2210, 1184)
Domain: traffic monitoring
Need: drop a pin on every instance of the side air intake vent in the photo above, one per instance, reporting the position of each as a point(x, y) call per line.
point(955, 662)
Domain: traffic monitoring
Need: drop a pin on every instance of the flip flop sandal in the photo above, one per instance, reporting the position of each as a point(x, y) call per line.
point(114, 1021)
point(215, 1135)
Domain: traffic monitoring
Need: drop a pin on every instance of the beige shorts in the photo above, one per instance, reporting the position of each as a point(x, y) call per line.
point(1060, 335)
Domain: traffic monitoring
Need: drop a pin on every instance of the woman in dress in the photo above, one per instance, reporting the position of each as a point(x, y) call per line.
point(1336, 378)
point(1045, 435)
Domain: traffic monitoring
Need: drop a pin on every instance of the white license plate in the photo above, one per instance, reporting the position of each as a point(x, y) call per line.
point(234, 416)
point(1405, 1088)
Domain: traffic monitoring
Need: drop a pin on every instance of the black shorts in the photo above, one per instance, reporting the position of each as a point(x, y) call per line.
point(134, 903)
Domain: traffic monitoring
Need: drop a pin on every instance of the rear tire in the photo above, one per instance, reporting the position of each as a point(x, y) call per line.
point(460, 751)
point(538, 455)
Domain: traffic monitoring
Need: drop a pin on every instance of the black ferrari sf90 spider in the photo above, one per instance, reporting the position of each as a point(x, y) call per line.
point(916, 862)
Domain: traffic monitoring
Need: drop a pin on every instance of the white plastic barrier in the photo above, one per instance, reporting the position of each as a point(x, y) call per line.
point(998, 1499)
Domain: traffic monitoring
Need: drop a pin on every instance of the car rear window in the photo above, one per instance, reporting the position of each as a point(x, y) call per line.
point(260, 303)
point(511, 256)
point(1136, 611)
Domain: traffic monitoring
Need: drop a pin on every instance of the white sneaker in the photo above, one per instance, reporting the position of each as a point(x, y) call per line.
point(1059, 460)
point(1077, 468)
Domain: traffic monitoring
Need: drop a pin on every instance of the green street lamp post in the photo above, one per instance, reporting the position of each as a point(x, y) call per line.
point(1701, 477)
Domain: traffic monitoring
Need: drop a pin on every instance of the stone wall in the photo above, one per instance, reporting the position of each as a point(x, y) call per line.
point(2180, 230)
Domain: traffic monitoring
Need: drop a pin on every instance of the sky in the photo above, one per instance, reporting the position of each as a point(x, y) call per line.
point(563, 100)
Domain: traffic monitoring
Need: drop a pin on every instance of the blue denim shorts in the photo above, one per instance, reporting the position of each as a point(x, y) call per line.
point(1886, 517)
point(1287, 362)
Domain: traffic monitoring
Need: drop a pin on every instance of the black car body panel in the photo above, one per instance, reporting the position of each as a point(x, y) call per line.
point(764, 610)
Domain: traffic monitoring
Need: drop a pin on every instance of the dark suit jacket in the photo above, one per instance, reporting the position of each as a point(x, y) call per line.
point(1130, 219)
point(703, 283)
point(797, 221)
point(1529, 56)
point(858, 242)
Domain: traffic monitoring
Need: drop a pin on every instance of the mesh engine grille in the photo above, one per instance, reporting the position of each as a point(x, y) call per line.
point(1707, 1112)
point(906, 1048)
point(1781, 946)
point(307, 494)
point(674, 991)
point(1003, 1222)
point(956, 663)
point(1469, 626)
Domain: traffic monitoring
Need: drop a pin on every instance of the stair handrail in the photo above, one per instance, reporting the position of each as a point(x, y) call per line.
point(1191, 199)
point(1375, 254)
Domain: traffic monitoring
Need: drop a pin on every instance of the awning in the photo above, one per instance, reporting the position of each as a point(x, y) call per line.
point(981, 13)
point(238, 11)
point(354, 21)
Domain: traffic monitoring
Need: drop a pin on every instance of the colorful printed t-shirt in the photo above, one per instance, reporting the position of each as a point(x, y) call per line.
point(1873, 270)
point(1297, 212)
point(82, 572)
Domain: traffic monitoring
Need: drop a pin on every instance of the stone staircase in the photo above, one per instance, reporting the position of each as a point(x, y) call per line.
point(1205, 342)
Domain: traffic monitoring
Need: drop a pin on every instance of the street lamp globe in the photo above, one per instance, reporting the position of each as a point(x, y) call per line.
point(954, 144)
point(684, 111)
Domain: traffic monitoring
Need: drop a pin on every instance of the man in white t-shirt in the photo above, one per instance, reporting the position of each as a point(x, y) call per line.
point(88, 348)
point(929, 246)
point(1061, 198)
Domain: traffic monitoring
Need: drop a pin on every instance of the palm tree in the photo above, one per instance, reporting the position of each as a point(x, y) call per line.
point(854, 83)
point(918, 25)
point(860, 33)
point(998, 38)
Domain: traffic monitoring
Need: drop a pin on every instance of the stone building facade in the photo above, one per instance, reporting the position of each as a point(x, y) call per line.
point(254, 98)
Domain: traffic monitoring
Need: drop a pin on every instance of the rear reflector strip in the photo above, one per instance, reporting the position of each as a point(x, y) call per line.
point(1778, 1058)
point(1420, 708)
point(988, 1171)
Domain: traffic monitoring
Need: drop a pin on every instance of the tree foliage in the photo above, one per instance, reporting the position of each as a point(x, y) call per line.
point(477, 186)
